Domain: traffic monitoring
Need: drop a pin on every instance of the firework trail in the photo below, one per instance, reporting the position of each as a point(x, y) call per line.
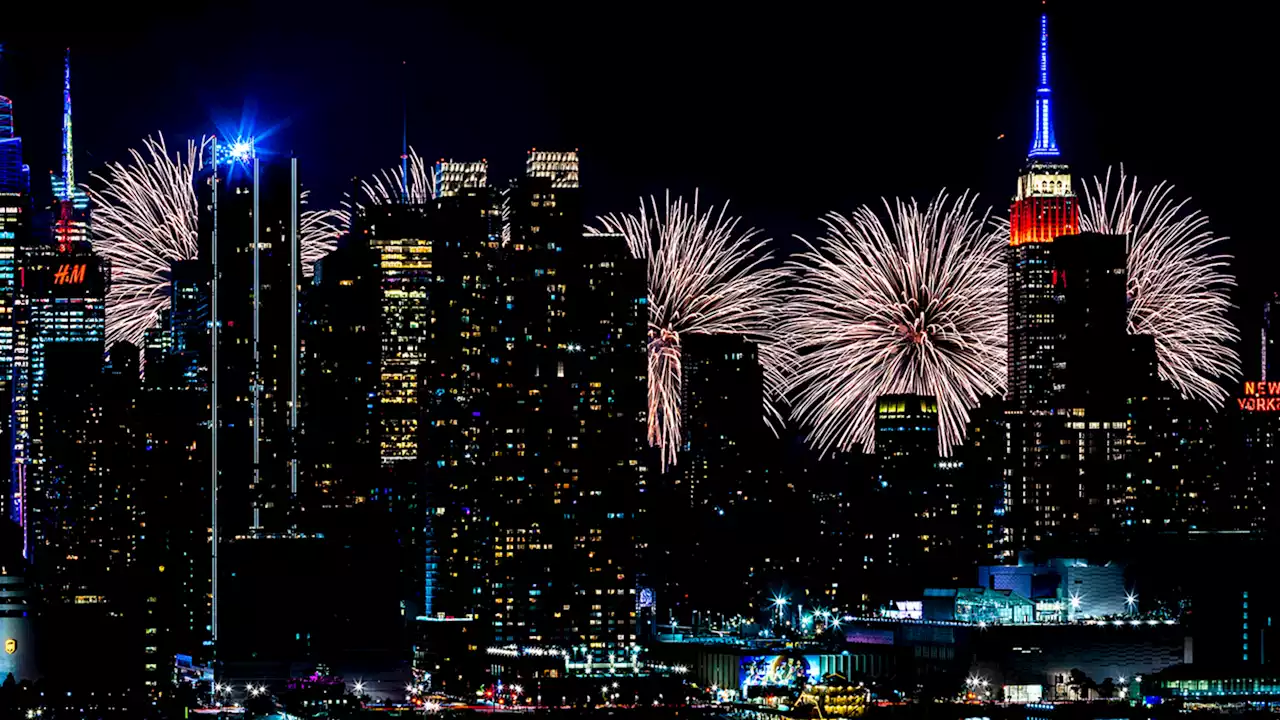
point(704, 277)
point(390, 186)
point(318, 232)
point(1179, 285)
point(145, 216)
point(909, 303)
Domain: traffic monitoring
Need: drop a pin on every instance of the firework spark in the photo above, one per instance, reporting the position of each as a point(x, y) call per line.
point(390, 186)
point(318, 232)
point(910, 303)
point(1179, 283)
point(704, 277)
point(145, 217)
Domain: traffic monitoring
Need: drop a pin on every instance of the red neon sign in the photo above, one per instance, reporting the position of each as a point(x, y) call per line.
point(1260, 396)
point(69, 274)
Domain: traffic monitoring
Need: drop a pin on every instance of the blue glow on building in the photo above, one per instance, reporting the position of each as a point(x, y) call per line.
point(1044, 144)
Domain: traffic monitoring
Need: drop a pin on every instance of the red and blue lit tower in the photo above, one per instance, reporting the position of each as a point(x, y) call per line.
point(1044, 208)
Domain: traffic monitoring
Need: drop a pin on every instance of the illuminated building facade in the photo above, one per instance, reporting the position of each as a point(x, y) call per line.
point(452, 176)
point(15, 228)
point(565, 468)
point(62, 497)
point(59, 312)
point(403, 254)
point(557, 166)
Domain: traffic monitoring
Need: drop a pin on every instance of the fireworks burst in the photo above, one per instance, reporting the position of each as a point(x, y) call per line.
point(318, 232)
point(145, 217)
point(911, 303)
point(704, 277)
point(390, 186)
point(1179, 284)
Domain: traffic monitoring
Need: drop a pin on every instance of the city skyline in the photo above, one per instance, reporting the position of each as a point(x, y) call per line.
point(479, 429)
point(949, 58)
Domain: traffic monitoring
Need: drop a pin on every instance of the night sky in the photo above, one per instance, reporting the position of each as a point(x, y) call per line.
point(789, 109)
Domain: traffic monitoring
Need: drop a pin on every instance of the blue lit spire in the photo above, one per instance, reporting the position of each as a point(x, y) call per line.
point(68, 153)
point(1043, 143)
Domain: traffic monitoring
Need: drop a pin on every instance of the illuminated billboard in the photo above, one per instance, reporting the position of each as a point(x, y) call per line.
point(63, 275)
point(1260, 396)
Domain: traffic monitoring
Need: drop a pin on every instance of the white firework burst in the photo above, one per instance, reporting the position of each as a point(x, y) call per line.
point(145, 217)
point(704, 277)
point(391, 186)
point(318, 232)
point(1179, 282)
point(909, 302)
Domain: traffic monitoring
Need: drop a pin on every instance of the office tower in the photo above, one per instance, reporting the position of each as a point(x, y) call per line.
point(1093, 373)
point(341, 349)
point(561, 567)
point(403, 254)
point(904, 525)
point(1044, 208)
point(718, 491)
point(172, 577)
point(60, 327)
point(248, 234)
point(187, 323)
point(72, 509)
point(15, 176)
point(15, 228)
point(452, 176)
point(559, 167)
point(985, 480)
point(1090, 320)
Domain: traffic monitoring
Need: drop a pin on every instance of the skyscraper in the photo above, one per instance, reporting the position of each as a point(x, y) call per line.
point(452, 176)
point(15, 226)
point(59, 322)
point(1044, 208)
point(1093, 371)
point(559, 167)
point(248, 235)
point(570, 350)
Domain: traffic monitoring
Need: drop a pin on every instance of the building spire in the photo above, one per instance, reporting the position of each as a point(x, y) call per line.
point(404, 131)
point(1043, 143)
point(68, 156)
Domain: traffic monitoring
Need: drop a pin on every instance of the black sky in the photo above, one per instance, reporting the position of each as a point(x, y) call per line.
point(789, 109)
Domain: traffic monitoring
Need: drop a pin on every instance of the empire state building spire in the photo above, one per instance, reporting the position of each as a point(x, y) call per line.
point(1043, 143)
